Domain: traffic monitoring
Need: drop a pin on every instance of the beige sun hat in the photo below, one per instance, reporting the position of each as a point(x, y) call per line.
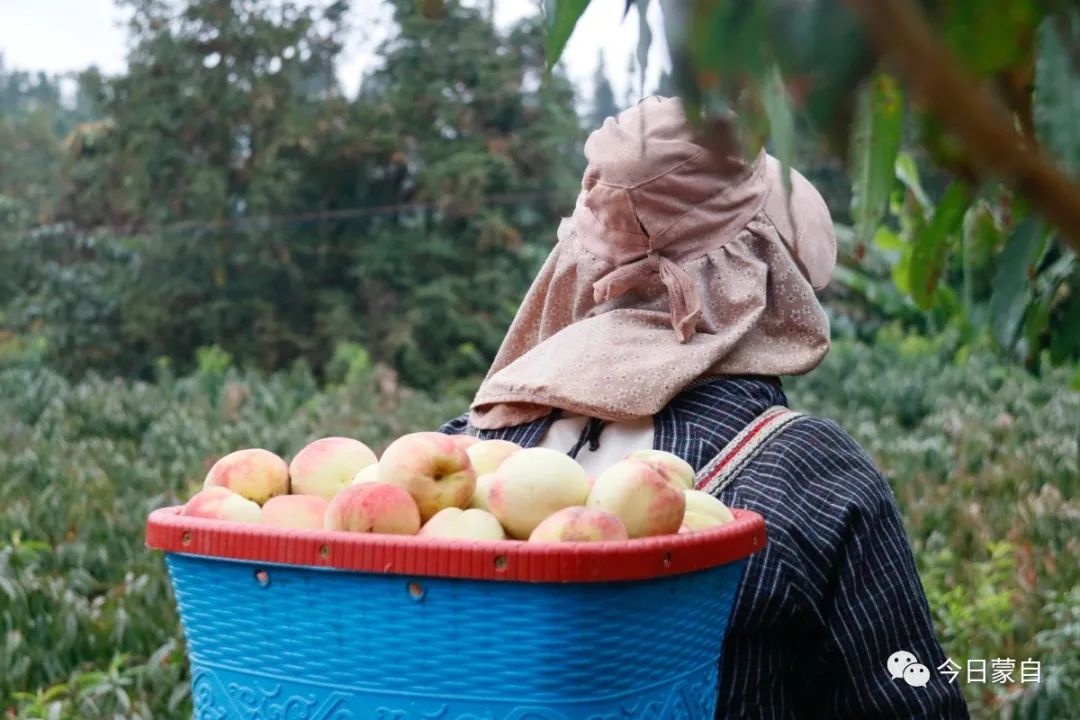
point(675, 264)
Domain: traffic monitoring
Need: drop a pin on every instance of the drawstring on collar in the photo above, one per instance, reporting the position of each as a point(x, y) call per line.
point(589, 434)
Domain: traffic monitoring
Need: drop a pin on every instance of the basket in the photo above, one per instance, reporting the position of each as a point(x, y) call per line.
point(316, 625)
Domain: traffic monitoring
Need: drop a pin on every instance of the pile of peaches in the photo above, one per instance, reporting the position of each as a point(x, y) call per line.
point(437, 485)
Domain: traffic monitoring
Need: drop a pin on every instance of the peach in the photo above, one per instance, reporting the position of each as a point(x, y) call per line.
point(702, 503)
point(675, 470)
point(221, 503)
point(642, 498)
point(698, 521)
point(532, 484)
point(487, 455)
point(579, 524)
point(256, 474)
point(325, 466)
point(480, 499)
point(471, 524)
point(465, 441)
point(368, 474)
point(433, 468)
point(373, 508)
point(295, 511)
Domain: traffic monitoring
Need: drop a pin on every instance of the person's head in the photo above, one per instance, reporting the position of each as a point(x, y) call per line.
point(676, 263)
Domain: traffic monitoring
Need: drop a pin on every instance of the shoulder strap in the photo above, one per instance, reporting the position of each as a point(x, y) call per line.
point(729, 462)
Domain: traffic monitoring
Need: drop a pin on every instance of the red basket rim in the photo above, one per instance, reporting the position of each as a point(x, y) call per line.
point(639, 559)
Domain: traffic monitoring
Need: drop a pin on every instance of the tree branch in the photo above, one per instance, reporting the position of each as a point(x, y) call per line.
point(978, 120)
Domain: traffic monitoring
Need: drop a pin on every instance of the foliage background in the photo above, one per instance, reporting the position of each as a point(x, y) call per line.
point(218, 249)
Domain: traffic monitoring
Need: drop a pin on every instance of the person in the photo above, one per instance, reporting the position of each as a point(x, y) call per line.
point(679, 291)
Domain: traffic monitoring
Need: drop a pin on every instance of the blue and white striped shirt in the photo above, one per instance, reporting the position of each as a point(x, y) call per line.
point(834, 593)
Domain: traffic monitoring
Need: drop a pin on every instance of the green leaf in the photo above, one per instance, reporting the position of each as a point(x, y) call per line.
point(933, 243)
point(1036, 320)
point(985, 236)
point(990, 36)
point(1012, 283)
point(178, 695)
point(907, 172)
point(875, 145)
point(825, 55)
point(677, 33)
point(1063, 275)
point(727, 39)
point(563, 17)
point(901, 271)
point(781, 121)
point(878, 293)
point(887, 240)
point(1057, 97)
point(727, 55)
point(1065, 340)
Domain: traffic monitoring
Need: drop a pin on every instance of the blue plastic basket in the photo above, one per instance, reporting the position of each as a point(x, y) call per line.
point(389, 628)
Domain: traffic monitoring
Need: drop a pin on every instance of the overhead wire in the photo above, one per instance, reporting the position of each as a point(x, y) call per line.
point(316, 216)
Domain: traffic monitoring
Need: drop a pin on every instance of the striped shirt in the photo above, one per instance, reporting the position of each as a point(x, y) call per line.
point(834, 593)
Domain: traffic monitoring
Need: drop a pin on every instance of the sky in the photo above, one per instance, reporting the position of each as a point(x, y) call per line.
point(59, 36)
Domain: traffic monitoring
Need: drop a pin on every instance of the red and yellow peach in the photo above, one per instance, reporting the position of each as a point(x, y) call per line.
point(373, 508)
point(471, 524)
point(256, 474)
point(532, 484)
point(295, 511)
point(325, 466)
point(220, 503)
point(487, 455)
point(675, 470)
point(579, 524)
point(433, 468)
point(641, 497)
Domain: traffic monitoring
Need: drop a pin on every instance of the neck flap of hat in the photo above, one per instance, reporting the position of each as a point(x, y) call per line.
point(668, 269)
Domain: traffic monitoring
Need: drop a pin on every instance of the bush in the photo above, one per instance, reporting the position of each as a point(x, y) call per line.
point(985, 464)
point(87, 622)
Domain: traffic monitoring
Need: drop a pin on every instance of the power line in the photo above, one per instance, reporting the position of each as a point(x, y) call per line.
point(194, 226)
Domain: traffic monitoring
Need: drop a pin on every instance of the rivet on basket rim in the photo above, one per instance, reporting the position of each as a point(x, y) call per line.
point(416, 590)
point(324, 551)
point(500, 563)
point(185, 539)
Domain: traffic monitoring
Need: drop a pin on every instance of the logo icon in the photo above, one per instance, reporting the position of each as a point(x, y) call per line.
point(903, 665)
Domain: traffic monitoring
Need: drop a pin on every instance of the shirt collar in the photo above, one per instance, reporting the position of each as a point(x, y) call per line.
point(713, 407)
